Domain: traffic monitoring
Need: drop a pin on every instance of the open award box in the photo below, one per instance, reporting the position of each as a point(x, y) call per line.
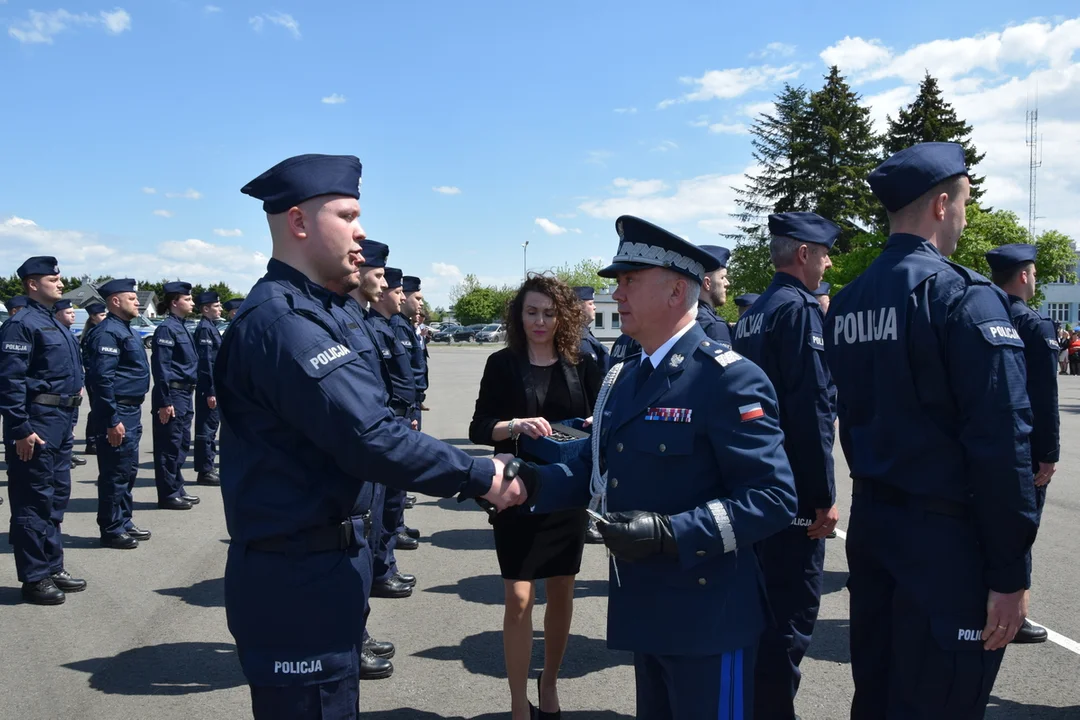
point(564, 444)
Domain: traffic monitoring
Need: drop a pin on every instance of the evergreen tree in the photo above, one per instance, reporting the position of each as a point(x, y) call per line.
point(844, 149)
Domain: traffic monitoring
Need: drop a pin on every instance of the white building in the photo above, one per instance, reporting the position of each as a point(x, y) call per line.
point(606, 327)
point(1062, 302)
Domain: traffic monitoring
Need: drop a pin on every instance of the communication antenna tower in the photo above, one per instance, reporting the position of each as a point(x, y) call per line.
point(1035, 163)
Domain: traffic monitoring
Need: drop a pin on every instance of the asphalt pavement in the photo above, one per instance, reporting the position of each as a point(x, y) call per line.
point(148, 638)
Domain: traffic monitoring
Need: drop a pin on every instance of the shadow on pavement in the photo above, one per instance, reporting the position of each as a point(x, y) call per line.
point(488, 589)
point(10, 596)
point(169, 669)
point(71, 542)
point(999, 709)
point(463, 539)
point(453, 504)
point(410, 714)
point(833, 581)
point(206, 593)
point(831, 641)
point(482, 654)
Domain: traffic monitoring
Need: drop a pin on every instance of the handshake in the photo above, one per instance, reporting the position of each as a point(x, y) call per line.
point(514, 482)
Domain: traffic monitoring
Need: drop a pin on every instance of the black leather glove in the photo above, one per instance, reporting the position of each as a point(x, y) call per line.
point(638, 535)
point(529, 476)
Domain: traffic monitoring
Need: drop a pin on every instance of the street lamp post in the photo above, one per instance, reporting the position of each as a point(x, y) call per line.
point(524, 260)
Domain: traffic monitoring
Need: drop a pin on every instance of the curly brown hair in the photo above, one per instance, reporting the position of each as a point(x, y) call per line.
point(568, 315)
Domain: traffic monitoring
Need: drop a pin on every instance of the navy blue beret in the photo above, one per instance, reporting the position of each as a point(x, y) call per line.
point(585, 292)
point(207, 298)
point(804, 227)
point(1007, 256)
point(746, 300)
point(234, 304)
point(375, 253)
point(176, 286)
point(19, 301)
point(410, 284)
point(722, 254)
point(117, 286)
point(303, 177)
point(40, 265)
point(905, 176)
point(644, 245)
point(822, 289)
point(94, 308)
point(393, 278)
point(61, 304)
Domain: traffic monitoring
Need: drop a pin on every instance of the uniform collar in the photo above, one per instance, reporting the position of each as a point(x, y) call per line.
point(907, 243)
point(32, 303)
point(661, 352)
point(117, 318)
point(788, 280)
point(277, 270)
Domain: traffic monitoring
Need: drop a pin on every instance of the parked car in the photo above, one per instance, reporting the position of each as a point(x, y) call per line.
point(491, 333)
point(445, 333)
point(145, 328)
point(468, 333)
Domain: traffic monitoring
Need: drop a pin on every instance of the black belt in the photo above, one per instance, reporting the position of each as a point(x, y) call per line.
point(54, 400)
point(130, 400)
point(400, 408)
point(187, 387)
point(891, 495)
point(312, 540)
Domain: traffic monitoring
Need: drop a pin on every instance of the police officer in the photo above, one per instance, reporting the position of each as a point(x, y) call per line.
point(822, 296)
point(207, 341)
point(40, 382)
point(231, 307)
point(934, 422)
point(174, 365)
point(685, 592)
point(304, 427)
point(407, 328)
point(1013, 270)
point(745, 302)
point(95, 313)
point(117, 380)
point(713, 295)
point(781, 333)
point(15, 304)
point(590, 346)
point(65, 315)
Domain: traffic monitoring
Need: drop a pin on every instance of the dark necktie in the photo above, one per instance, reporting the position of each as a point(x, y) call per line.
point(645, 369)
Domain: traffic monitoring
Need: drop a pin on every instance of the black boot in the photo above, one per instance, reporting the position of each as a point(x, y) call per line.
point(1030, 634)
point(43, 592)
point(593, 536)
point(404, 542)
point(413, 533)
point(66, 583)
point(410, 501)
point(384, 650)
point(208, 478)
point(392, 588)
point(373, 667)
point(77, 461)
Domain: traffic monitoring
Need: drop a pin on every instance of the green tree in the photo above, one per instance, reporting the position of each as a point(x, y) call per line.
point(1055, 259)
point(437, 314)
point(71, 283)
point(10, 287)
point(750, 268)
point(479, 305)
point(844, 149)
point(583, 274)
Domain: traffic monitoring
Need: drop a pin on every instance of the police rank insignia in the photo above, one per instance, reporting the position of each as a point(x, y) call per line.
point(676, 360)
point(661, 414)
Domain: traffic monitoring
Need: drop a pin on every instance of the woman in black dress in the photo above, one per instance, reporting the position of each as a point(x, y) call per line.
point(540, 378)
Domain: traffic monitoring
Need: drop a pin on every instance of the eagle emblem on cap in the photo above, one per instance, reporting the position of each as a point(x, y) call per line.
point(676, 360)
point(359, 182)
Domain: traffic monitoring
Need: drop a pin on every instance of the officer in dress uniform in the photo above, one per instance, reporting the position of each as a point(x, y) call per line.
point(15, 304)
point(174, 365)
point(231, 306)
point(117, 380)
point(934, 423)
point(41, 380)
point(589, 344)
point(65, 315)
point(782, 334)
point(304, 428)
point(685, 592)
point(1013, 270)
point(207, 341)
point(821, 294)
point(96, 313)
point(714, 295)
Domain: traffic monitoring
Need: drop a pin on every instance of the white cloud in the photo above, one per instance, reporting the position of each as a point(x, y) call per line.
point(228, 233)
point(445, 270)
point(733, 82)
point(447, 190)
point(774, 49)
point(855, 54)
point(753, 110)
point(42, 27)
point(164, 213)
point(188, 194)
point(149, 190)
point(335, 99)
point(639, 188)
point(665, 146)
point(598, 157)
point(210, 9)
point(706, 197)
point(729, 129)
point(551, 228)
point(626, 111)
point(278, 18)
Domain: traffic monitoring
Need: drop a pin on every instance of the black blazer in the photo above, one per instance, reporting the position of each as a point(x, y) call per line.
point(507, 392)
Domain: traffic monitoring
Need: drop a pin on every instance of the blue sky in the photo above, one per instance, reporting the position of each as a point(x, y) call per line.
point(128, 130)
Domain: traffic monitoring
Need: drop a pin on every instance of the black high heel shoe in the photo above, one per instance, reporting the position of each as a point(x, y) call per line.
point(541, 714)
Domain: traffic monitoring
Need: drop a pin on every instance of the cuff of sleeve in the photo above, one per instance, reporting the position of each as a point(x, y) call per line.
point(480, 477)
point(22, 431)
point(703, 533)
point(1009, 578)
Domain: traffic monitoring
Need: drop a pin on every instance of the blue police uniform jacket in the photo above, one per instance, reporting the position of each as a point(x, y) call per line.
point(173, 360)
point(412, 341)
point(701, 442)
point(624, 348)
point(595, 349)
point(782, 334)
point(931, 398)
point(1041, 356)
point(398, 362)
point(116, 366)
point(207, 341)
point(304, 427)
point(714, 327)
point(37, 355)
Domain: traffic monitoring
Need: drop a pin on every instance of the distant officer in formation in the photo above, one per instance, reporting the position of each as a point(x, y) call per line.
point(95, 313)
point(65, 315)
point(822, 296)
point(304, 428)
point(174, 365)
point(413, 308)
point(782, 334)
point(589, 344)
point(231, 307)
point(117, 379)
point(207, 341)
point(14, 304)
point(745, 302)
point(713, 295)
point(41, 379)
point(935, 424)
point(1013, 270)
point(685, 594)
point(405, 330)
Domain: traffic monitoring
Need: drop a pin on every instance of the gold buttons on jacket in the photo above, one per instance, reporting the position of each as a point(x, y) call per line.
point(618, 447)
point(663, 447)
point(614, 482)
point(701, 581)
